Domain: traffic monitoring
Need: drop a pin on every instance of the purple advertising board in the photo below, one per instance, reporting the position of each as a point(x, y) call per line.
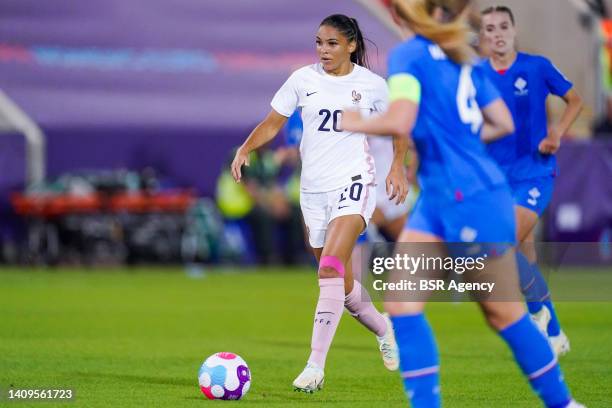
point(169, 84)
point(581, 208)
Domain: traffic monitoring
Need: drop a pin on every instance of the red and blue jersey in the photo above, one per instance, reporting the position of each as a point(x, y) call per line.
point(525, 87)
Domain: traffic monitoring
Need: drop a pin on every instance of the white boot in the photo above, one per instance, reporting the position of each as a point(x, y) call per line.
point(388, 346)
point(310, 380)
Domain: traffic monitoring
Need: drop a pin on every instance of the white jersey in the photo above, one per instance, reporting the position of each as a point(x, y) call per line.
point(331, 157)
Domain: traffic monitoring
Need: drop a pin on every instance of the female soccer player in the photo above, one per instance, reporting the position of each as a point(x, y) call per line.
point(438, 98)
point(337, 181)
point(527, 157)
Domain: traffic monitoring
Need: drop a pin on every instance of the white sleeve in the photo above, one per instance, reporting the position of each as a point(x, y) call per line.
point(286, 99)
point(381, 96)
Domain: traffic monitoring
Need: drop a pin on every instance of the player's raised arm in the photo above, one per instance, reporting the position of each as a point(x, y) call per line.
point(262, 134)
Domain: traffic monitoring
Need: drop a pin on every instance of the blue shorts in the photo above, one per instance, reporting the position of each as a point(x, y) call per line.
point(362, 238)
point(486, 218)
point(533, 194)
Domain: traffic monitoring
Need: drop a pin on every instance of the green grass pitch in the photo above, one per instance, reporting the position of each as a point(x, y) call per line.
point(126, 338)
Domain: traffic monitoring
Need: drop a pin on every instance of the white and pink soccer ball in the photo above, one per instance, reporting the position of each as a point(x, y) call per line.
point(224, 376)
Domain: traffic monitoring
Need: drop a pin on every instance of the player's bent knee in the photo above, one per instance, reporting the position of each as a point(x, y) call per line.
point(404, 308)
point(496, 322)
point(331, 267)
point(328, 273)
point(501, 315)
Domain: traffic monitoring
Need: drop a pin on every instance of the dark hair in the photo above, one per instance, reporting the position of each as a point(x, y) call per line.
point(499, 9)
point(349, 28)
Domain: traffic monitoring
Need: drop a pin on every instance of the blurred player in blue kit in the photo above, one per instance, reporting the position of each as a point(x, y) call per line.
point(527, 156)
point(447, 106)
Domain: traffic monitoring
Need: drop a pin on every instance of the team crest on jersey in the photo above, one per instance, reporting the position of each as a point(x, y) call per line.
point(520, 87)
point(534, 194)
point(436, 52)
point(356, 97)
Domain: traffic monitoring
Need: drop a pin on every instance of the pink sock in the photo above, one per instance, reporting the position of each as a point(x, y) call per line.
point(327, 316)
point(364, 311)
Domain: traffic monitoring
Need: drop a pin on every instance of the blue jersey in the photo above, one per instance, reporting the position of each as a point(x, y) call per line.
point(525, 87)
point(294, 129)
point(453, 160)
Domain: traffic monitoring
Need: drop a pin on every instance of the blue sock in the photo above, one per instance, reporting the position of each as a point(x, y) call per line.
point(527, 281)
point(534, 287)
point(534, 307)
point(419, 362)
point(537, 361)
point(554, 328)
point(539, 290)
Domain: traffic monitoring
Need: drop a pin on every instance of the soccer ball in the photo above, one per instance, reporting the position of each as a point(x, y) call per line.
point(224, 376)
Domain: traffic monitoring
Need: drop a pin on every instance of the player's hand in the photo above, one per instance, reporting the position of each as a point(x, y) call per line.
point(350, 120)
point(241, 158)
point(551, 143)
point(397, 184)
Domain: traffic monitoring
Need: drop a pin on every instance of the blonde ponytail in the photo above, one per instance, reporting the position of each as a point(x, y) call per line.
point(452, 35)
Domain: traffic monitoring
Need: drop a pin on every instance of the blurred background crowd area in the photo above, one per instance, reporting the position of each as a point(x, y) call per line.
point(118, 120)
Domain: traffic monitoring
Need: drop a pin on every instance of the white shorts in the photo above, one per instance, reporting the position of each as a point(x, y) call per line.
point(388, 207)
point(319, 209)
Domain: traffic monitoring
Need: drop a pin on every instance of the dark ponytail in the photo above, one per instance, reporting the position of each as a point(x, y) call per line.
point(349, 28)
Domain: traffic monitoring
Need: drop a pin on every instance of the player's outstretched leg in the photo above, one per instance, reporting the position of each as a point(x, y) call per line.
point(534, 355)
point(418, 352)
point(545, 307)
point(327, 317)
point(529, 345)
point(419, 361)
point(541, 308)
point(340, 238)
point(360, 306)
point(535, 290)
point(533, 285)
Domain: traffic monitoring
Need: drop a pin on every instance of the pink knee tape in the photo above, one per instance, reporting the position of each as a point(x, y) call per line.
point(332, 262)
